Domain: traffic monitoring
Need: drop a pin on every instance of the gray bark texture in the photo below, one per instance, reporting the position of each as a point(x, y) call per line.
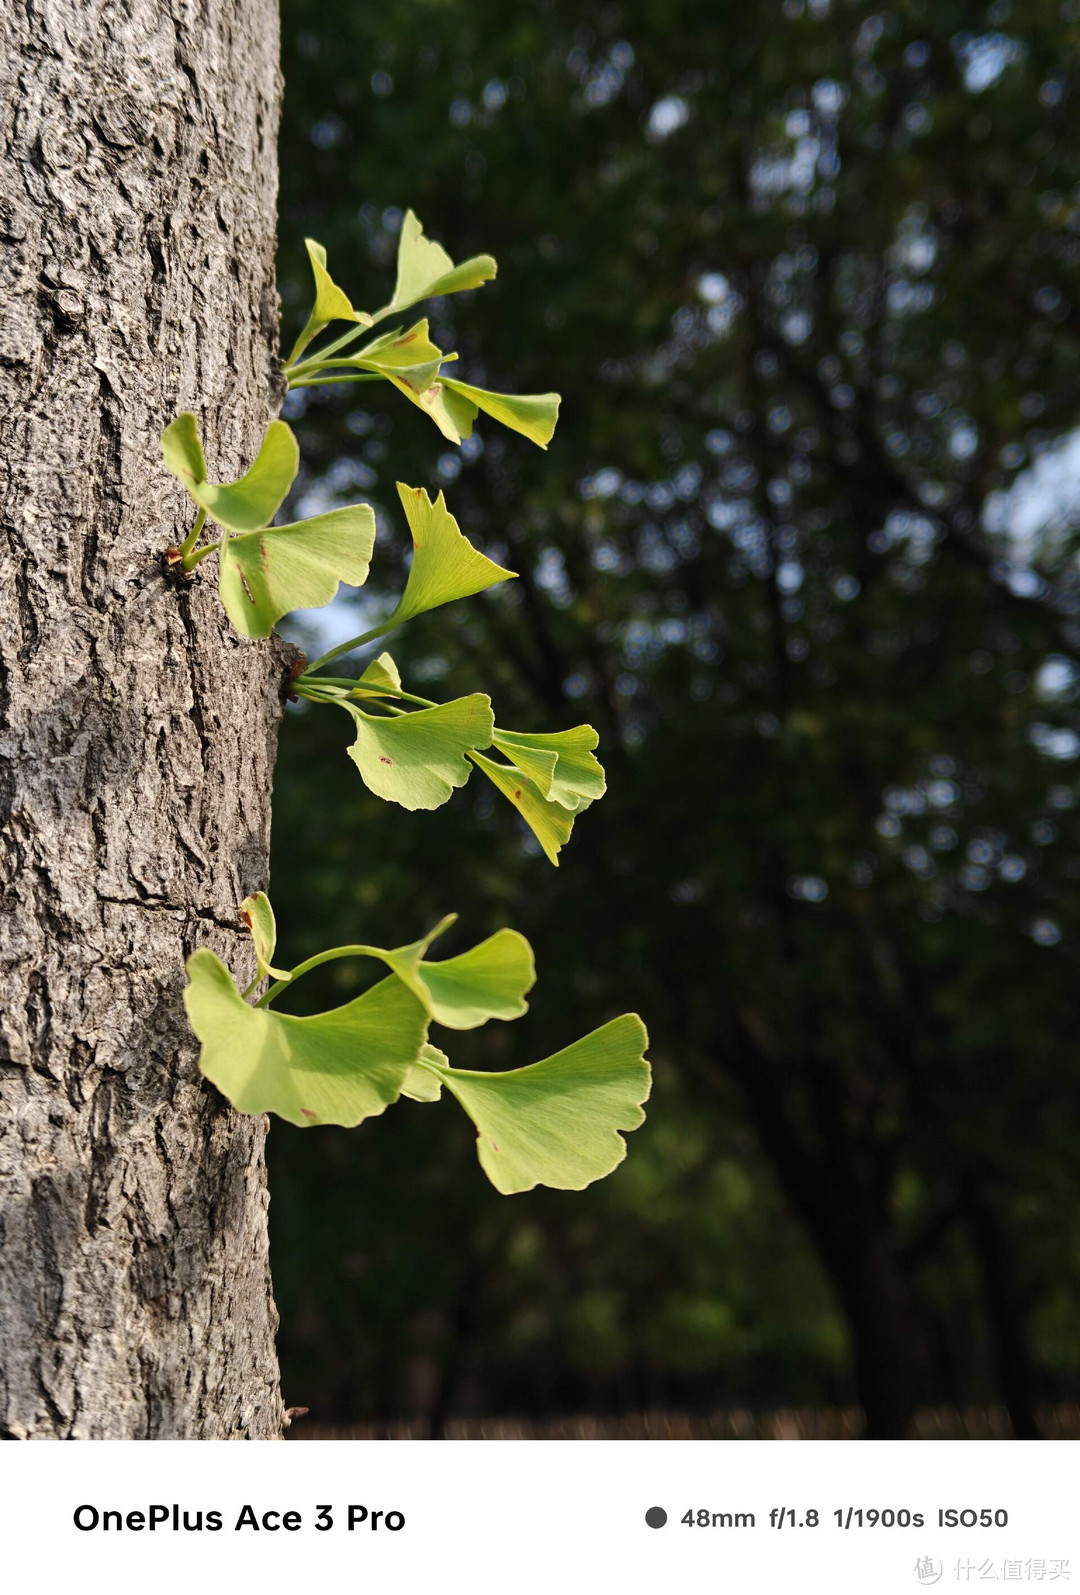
point(137, 732)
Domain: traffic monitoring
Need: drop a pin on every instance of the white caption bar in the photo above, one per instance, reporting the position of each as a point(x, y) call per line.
point(535, 1517)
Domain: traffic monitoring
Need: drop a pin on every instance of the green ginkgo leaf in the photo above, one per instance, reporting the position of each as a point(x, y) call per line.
point(532, 414)
point(258, 915)
point(445, 565)
point(451, 413)
point(253, 501)
point(333, 1068)
point(331, 303)
point(424, 269)
point(489, 981)
point(549, 822)
point(561, 764)
point(557, 1122)
point(409, 359)
point(264, 575)
point(381, 676)
point(421, 1085)
point(418, 759)
point(182, 451)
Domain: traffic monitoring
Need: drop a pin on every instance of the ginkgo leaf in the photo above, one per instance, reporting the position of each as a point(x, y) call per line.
point(182, 450)
point(258, 916)
point(418, 759)
point(421, 1085)
point(333, 1068)
point(331, 303)
point(424, 269)
point(532, 414)
point(557, 1122)
point(445, 565)
point(409, 359)
point(561, 764)
point(381, 675)
point(489, 981)
point(264, 575)
point(243, 506)
point(549, 822)
point(451, 413)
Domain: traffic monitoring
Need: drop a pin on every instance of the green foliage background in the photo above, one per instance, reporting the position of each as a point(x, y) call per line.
point(806, 276)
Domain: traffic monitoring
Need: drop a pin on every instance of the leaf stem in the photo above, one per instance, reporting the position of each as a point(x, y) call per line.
point(192, 538)
point(355, 685)
point(322, 382)
point(317, 694)
point(354, 642)
point(194, 559)
point(356, 951)
point(333, 681)
point(341, 342)
point(329, 349)
point(301, 344)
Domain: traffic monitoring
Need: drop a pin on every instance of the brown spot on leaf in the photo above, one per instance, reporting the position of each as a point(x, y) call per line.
point(245, 915)
point(309, 1113)
point(384, 760)
point(246, 588)
point(517, 794)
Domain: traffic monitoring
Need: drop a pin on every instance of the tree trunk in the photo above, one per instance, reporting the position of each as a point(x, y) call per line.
point(876, 1298)
point(1005, 1314)
point(137, 733)
point(835, 1194)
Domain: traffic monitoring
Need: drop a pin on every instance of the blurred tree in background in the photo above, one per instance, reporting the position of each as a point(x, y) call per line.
point(807, 276)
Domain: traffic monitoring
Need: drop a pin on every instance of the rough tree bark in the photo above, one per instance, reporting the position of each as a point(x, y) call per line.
point(137, 733)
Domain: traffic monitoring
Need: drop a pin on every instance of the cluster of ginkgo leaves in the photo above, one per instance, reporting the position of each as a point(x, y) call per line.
point(406, 356)
point(554, 1122)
